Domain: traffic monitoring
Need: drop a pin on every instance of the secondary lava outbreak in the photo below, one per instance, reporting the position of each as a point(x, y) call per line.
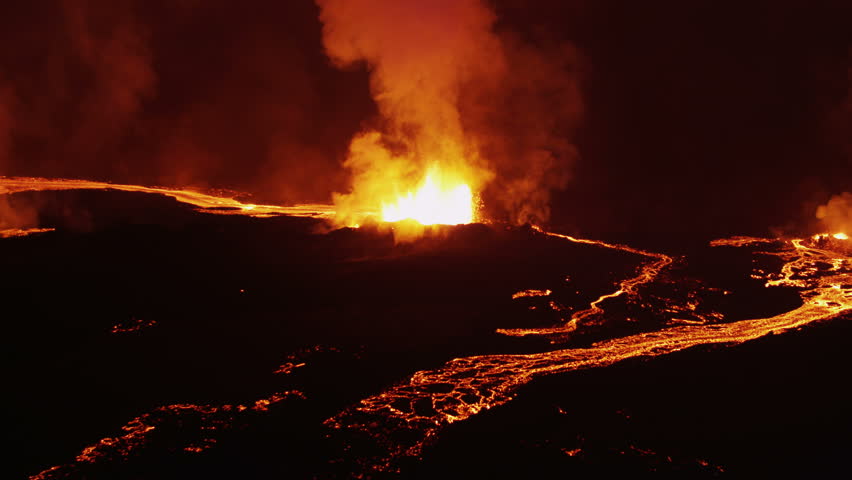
point(650, 305)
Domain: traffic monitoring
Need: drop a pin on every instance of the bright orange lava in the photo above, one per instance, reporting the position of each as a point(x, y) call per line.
point(22, 232)
point(437, 201)
point(464, 387)
point(208, 203)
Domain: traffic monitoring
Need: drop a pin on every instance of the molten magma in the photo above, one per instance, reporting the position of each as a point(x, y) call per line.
point(417, 409)
point(22, 232)
point(436, 185)
point(436, 202)
point(204, 202)
point(428, 62)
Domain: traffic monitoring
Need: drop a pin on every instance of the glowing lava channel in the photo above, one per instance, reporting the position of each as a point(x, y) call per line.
point(207, 203)
point(22, 232)
point(434, 203)
point(647, 273)
point(417, 409)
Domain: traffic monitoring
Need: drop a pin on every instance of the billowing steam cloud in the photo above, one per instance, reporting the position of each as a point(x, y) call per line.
point(451, 91)
point(421, 55)
point(207, 94)
point(836, 215)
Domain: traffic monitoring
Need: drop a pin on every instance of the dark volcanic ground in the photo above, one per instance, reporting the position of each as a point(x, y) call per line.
point(138, 302)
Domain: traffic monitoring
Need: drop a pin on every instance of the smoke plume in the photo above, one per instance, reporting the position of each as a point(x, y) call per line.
point(485, 106)
point(196, 93)
point(523, 122)
point(836, 215)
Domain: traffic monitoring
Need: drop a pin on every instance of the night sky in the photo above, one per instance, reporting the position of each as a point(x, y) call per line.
point(698, 116)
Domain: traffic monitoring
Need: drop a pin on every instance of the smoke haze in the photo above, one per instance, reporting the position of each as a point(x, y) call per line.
point(176, 93)
point(452, 91)
point(6, 97)
point(524, 122)
point(690, 116)
point(836, 215)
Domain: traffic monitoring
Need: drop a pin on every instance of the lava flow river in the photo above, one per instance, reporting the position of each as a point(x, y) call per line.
point(205, 202)
point(410, 414)
point(463, 387)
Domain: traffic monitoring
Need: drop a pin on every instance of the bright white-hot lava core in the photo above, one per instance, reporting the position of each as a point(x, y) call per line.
point(436, 201)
